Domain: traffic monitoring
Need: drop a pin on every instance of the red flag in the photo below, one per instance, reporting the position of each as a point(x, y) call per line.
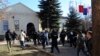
point(80, 8)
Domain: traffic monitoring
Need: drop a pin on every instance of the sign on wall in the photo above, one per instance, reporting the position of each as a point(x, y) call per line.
point(16, 23)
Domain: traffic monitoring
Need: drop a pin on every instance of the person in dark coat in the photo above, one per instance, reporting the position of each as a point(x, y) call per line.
point(8, 39)
point(80, 44)
point(62, 37)
point(14, 35)
point(34, 37)
point(38, 37)
point(54, 37)
point(43, 39)
point(68, 36)
point(89, 42)
point(74, 38)
point(71, 37)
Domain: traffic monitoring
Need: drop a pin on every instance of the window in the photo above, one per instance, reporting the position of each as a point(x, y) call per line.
point(5, 25)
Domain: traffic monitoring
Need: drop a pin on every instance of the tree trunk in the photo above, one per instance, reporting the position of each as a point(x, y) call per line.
point(96, 27)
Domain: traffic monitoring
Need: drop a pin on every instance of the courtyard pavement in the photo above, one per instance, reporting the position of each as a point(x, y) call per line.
point(64, 50)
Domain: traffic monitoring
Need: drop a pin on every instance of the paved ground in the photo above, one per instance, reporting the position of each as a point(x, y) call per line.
point(64, 50)
point(30, 50)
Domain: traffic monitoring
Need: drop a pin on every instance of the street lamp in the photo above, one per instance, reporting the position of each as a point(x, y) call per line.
point(48, 23)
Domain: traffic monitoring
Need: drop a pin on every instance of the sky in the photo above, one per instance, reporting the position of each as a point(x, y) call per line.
point(33, 4)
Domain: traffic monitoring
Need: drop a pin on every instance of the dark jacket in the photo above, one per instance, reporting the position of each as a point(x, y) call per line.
point(43, 38)
point(89, 44)
point(14, 35)
point(54, 36)
point(80, 41)
point(34, 35)
point(8, 35)
point(63, 34)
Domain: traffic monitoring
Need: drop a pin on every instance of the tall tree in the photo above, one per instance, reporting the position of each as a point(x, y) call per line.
point(49, 13)
point(73, 20)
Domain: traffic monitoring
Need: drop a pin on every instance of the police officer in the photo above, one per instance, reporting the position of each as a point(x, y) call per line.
point(54, 44)
point(62, 36)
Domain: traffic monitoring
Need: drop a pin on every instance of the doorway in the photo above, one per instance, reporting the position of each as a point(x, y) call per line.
point(30, 28)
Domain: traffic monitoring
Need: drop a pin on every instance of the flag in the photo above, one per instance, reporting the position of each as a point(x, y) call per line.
point(85, 11)
point(89, 9)
point(80, 8)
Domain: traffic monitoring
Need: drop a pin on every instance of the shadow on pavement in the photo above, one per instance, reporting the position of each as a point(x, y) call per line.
point(27, 54)
point(4, 54)
point(33, 54)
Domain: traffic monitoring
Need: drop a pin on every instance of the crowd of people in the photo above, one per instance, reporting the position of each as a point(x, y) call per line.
point(82, 41)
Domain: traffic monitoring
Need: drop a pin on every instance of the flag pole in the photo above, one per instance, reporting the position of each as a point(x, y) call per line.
point(85, 23)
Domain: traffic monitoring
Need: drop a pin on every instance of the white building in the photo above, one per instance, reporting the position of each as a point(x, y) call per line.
point(18, 17)
point(62, 21)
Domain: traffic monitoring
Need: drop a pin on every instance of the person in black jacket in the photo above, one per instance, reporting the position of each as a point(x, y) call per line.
point(74, 38)
point(14, 35)
point(89, 42)
point(43, 39)
point(80, 44)
point(34, 37)
point(54, 37)
point(8, 39)
point(62, 37)
point(71, 37)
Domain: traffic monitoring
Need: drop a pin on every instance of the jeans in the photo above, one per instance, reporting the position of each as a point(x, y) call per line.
point(83, 50)
point(54, 45)
point(22, 44)
point(9, 45)
point(47, 41)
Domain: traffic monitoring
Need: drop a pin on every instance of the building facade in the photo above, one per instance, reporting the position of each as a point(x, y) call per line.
point(17, 17)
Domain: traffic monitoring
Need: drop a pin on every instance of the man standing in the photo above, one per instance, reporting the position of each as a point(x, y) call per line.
point(62, 36)
point(89, 42)
point(8, 39)
point(46, 36)
point(43, 39)
point(34, 37)
point(71, 37)
point(80, 44)
point(54, 37)
point(14, 35)
point(22, 39)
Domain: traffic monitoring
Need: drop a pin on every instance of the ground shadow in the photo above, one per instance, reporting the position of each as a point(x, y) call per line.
point(4, 53)
point(27, 54)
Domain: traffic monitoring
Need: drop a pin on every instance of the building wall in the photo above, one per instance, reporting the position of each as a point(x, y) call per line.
point(24, 19)
point(1, 24)
point(62, 22)
point(22, 13)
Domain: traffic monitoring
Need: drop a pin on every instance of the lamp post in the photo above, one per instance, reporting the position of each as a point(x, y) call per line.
point(47, 23)
point(13, 17)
